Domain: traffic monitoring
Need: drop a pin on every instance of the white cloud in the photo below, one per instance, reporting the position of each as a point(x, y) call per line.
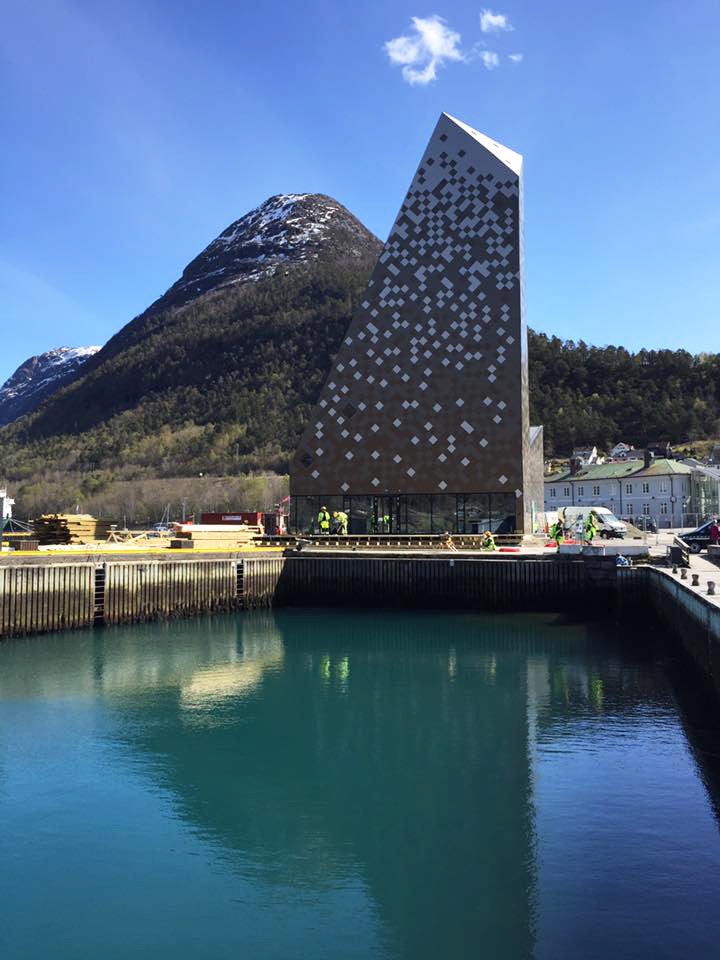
point(492, 22)
point(515, 57)
point(424, 48)
point(490, 60)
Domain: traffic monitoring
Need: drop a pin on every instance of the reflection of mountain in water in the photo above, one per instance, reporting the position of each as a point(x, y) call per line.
point(130, 660)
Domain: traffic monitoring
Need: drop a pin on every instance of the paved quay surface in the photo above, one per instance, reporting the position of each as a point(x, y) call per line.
point(104, 554)
point(657, 544)
point(707, 572)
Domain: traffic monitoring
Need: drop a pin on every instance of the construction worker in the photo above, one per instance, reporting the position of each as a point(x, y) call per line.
point(557, 531)
point(342, 522)
point(488, 541)
point(590, 528)
point(324, 521)
point(447, 543)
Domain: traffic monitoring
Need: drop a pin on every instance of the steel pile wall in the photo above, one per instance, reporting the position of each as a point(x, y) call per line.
point(36, 598)
point(260, 579)
point(155, 589)
point(458, 583)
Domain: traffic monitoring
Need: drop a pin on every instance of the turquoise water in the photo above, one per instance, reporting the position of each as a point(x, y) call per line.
point(327, 784)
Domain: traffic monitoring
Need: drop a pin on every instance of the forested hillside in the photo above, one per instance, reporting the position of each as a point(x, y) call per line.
point(599, 395)
point(222, 385)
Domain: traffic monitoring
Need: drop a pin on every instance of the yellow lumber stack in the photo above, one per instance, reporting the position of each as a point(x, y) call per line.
point(59, 528)
point(214, 536)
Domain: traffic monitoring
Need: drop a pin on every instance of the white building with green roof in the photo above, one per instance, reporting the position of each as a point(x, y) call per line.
point(659, 490)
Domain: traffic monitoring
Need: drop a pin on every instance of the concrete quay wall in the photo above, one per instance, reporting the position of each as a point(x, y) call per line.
point(45, 596)
point(689, 615)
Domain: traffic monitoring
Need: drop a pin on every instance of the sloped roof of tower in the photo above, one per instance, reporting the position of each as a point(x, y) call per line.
point(507, 156)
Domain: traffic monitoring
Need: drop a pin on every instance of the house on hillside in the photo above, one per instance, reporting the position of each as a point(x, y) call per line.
point(585, 455)
point(660, 449)
point(622, 451)
point(661, 490)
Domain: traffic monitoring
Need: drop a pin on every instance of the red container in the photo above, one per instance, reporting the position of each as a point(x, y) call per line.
point(252, 519)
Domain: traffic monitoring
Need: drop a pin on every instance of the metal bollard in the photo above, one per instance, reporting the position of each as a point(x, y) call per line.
point(683, 573)
point(711, 588)
point(696, 580)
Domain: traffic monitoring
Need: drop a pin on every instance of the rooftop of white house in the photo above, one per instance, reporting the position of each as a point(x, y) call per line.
point(618, 471)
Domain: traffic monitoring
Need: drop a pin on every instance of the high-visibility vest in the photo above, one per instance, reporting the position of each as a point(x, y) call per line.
point(324, 520)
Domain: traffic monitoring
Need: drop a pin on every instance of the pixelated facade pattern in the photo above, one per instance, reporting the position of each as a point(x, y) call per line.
point(428, 392)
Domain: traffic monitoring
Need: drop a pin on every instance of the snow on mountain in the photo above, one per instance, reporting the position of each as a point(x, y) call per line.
point(36, 378)
point(283, 233)
point(287, 228)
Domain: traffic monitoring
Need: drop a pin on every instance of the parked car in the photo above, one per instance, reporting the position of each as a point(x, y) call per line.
point(642, 523)
point(699, 538)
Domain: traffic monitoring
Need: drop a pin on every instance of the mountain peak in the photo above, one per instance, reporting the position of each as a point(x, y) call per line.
point(287, 228)
point(38, 377)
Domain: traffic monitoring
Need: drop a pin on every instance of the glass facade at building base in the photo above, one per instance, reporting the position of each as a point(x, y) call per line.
point(409, 513)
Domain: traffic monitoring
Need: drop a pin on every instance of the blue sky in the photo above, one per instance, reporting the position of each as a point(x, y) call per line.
point(133, 133)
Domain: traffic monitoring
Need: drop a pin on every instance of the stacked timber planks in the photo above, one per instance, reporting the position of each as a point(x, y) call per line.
point(60, 528)
point(208, 536)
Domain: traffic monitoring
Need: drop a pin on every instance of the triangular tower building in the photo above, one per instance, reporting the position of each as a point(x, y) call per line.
point(422, 425)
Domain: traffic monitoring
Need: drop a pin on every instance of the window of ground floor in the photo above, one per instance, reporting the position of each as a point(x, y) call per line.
point(407, 514)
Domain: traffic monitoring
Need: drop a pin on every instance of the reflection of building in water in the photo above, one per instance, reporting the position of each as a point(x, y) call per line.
point(376, 751)
point(565, 686)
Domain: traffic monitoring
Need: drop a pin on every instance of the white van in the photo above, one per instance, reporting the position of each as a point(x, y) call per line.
point(607, 523)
